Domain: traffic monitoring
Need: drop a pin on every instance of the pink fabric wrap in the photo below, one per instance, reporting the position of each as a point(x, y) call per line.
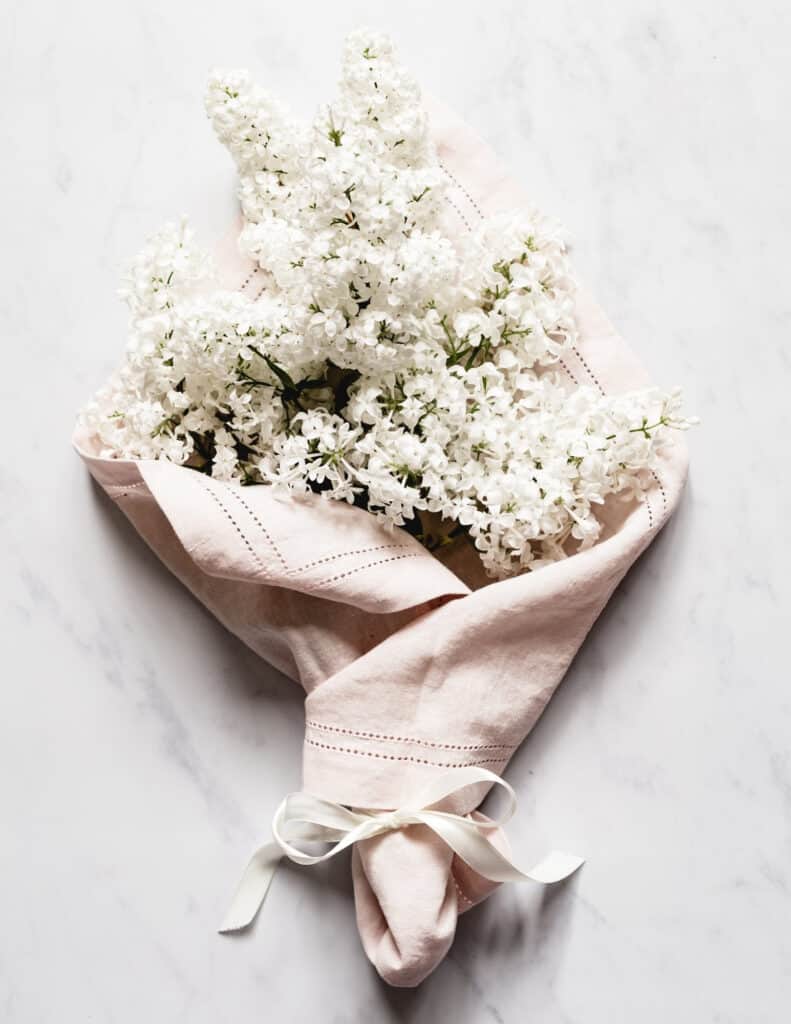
point(407, 669)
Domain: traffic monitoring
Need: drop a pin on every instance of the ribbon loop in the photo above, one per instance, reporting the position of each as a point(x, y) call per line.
point(305, 818)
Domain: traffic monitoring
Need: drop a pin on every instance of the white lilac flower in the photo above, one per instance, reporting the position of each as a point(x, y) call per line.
point(382, 363)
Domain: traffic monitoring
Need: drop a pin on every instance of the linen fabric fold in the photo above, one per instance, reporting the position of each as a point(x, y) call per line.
point(411, 667)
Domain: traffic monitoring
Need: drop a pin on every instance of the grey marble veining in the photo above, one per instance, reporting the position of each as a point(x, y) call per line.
point(142, 750)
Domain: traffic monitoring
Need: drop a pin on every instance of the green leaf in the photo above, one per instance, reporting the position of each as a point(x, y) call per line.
point(280, 373)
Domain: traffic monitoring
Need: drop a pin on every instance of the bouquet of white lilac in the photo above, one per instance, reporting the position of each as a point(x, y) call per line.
point(382, 362)
point(396, 342)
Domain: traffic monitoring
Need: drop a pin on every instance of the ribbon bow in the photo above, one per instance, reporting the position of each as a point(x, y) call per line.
point(302, 817)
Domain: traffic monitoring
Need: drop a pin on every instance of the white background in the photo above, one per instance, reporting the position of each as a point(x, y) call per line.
point(142, 749)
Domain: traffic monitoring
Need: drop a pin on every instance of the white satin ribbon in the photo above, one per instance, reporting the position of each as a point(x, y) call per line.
point(305, 818)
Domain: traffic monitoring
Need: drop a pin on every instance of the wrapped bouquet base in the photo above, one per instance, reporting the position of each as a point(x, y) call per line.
point(412, 666)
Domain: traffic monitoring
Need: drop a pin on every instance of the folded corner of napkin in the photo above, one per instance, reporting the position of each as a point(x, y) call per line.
point(406, 903)
point(409, 888)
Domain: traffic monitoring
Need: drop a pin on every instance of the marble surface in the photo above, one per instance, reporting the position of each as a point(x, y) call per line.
point(142, 750)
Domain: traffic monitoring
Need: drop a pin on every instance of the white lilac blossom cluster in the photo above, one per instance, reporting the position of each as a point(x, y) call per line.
point(382, 363)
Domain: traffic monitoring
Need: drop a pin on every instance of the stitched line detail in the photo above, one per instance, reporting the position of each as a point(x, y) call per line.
point(248, 279)
point(568, 371)
point(402, 757)
point(347, 554)
point(262, 528)
point(459, 212)
point(309, 565)
point(259, 563)
point(459, 185)
point(462, 894)
point(406, 739)
point(661, 488)
point(589, 371)
point(125, 487)
point(368, 565)
point(320, 561)
point(235, 525)
point(650, 511)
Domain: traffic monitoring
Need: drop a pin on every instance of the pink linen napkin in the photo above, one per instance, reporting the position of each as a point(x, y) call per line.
point(410, 667)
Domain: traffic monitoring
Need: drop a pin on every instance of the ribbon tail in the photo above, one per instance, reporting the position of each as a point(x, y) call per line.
point(252, 889)
point(475, 849)
point(556, 866)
